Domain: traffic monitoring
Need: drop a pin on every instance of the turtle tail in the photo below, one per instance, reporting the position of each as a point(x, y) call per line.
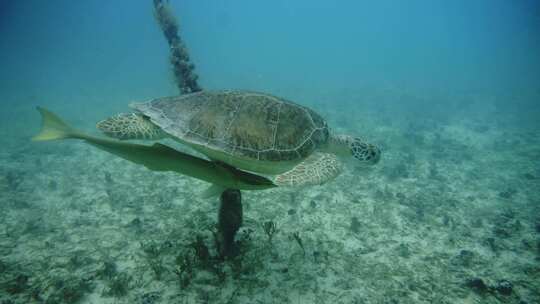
point(53, 127)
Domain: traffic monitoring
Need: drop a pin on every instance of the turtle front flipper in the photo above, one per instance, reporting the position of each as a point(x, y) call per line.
point(130, 126)
point(317, 169)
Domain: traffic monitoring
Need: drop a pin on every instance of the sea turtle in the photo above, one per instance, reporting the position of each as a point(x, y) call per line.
point(251, 131)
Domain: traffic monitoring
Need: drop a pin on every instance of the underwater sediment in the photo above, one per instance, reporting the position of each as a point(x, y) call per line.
point(438, 220)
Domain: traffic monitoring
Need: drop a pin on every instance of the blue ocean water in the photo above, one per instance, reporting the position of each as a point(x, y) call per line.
point(71, 47)
point(450, 91)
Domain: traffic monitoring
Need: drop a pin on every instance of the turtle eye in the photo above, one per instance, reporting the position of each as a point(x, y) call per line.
point(374, 154)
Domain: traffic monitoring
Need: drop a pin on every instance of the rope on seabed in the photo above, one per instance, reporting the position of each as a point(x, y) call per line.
point(183, 68)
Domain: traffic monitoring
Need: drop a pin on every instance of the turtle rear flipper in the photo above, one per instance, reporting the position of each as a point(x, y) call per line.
point(130, 126)
point(317, 169)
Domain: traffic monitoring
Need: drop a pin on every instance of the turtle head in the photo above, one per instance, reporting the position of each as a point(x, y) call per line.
point(366, 153)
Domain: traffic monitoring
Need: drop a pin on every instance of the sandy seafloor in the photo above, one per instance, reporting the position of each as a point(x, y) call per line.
point(451, 214)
